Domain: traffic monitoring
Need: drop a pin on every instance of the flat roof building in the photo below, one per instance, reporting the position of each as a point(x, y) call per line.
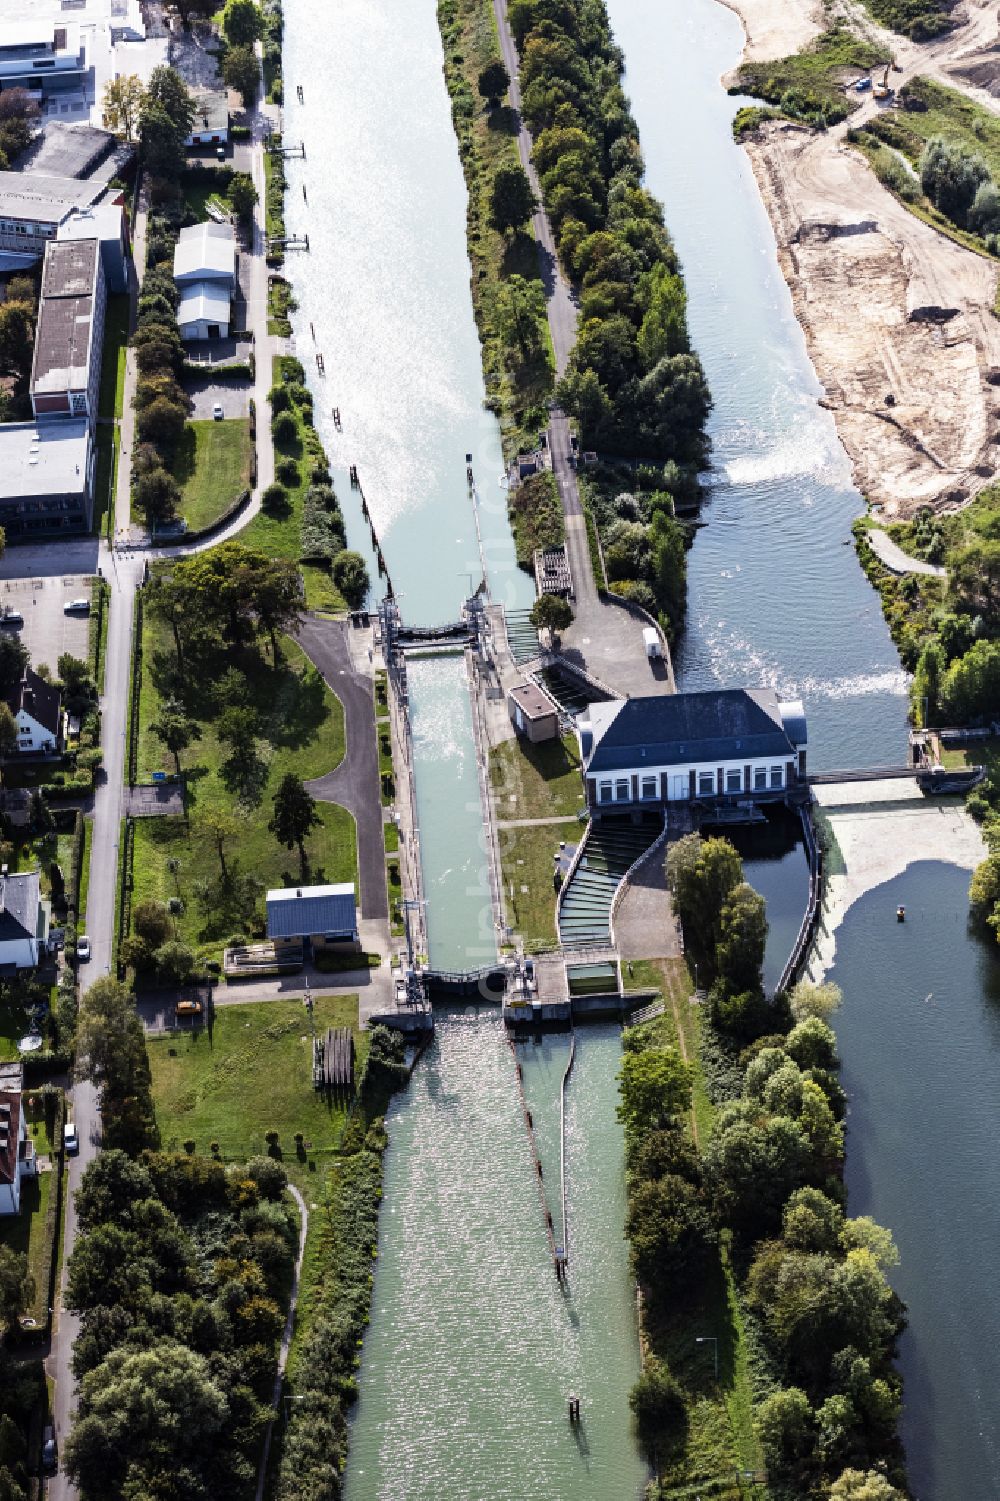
point(106, 223)
point(211, 120)
point(69, 335)
point(32, 207)
point(41, 55)
point(46, 477)
point(532, 712)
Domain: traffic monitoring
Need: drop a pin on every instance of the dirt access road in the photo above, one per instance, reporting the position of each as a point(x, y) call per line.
point(898, 318)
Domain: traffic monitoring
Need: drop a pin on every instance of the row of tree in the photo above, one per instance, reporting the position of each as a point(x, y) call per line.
point(633, 384)
point(178, 1275)
point(812, 1282)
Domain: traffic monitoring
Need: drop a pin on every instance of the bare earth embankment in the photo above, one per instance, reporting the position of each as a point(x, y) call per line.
point(898, 318)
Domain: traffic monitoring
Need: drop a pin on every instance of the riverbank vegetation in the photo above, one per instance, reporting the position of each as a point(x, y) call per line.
point(749, 1190)
point(536, 516)
point(939, 153)
point(811, 85)
point(921, 20)
point(507, 292)
point(321, 1382)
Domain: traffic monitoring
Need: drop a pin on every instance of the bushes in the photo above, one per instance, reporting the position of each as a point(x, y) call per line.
point(536, 516)
point(323, 534)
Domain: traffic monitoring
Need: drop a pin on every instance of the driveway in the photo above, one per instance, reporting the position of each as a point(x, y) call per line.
point(233, 396)
point(47, 632)
point(354, 784)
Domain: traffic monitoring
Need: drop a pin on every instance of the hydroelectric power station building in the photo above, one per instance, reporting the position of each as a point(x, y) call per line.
point(730, 744)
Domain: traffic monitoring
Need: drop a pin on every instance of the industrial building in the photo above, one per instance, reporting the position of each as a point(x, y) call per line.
point(46, 477)
point(69, 336)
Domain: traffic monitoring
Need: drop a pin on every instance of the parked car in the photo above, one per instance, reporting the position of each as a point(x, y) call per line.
point(220, 152)
point(71, 1141)
point(11, 616)
point(50, 1454)
point(77, 607)
point(189, 1008)
point(83, 949)
point(217, 411)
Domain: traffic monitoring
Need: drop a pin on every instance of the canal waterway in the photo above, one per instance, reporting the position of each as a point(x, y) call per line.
point(474, 1346)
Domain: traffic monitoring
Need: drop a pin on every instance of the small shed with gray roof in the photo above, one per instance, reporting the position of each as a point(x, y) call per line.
point(325, 916)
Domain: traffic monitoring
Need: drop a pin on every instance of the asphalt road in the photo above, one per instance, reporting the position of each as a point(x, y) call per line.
point(354, 783)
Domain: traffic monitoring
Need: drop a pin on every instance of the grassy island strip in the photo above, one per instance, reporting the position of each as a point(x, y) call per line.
point(634, 388)
point(769, 1325)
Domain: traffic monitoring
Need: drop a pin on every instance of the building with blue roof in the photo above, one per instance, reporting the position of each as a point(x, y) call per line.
point(324, 915)
point(728, 743)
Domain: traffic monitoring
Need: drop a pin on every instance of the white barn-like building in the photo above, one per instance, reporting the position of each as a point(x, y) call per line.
point(205, 275)
point(731, 743)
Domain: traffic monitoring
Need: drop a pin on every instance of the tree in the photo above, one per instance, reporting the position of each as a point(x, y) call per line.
point(111, 1052)
point(493, 82)
point(664, 327)
point(162, 423)
point(670, 1230)
point(866, 1485)
point(242, 23)
point(162, 145)
point(175, 961)
point(122, 104)
point(655, 1088)
point(984, 893)
point(176, 729)
point(241, 71)
point(151, 922)
point(971, 688)
point(658, 1408)
point(13, 661)
point(951, 176)
point(243, 772)
point(294, 817)
point(111, 1184)
point(242, 195)
point(786, 1425)
point(167, 90)
point(512, 200)
point(700, 875)
point(351, 577)
point(157, 494)
point(807, 999)
point(925, 690)
point(17, 335)
point(520, 315)
point(220, 824)
point(669, 565)
point(138, 1407)
point(739, 952)
point(17, 1286)
point(551, 613)
point(8, 730)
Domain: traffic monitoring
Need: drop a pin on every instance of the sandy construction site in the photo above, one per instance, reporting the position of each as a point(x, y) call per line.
point(898, 317)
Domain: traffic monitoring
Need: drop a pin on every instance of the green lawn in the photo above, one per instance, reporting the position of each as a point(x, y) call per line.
point(250, 1072)
point(301, 731)
point(526, 861)
point(206, 926)
point(280, 536)
point(976, 753)
point(536, 781)
point(112, 395)
point(212, 467)
point(25, 1234)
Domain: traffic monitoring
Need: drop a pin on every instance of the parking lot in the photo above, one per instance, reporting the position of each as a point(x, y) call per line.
point(47, 631)
point(232, 396)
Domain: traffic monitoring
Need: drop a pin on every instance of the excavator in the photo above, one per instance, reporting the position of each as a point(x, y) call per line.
point(882, 91)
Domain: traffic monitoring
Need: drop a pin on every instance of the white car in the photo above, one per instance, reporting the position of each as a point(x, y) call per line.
point(83, 948)
point(76, 607)
point(71, 1141)
point(217, 411)
point(11, 617)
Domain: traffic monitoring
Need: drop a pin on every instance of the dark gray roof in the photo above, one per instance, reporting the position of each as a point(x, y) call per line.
point(19, 906)
point(39, 699)
point(299, 912)
point(70, 268)
point(63, 150)
point(679, 728)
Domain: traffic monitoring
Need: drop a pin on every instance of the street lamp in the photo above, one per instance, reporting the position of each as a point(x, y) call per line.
point(710, 1339)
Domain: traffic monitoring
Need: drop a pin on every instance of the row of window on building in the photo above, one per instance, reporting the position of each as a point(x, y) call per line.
point(619, 790)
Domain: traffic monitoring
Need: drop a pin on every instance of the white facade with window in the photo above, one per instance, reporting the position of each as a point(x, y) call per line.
point(730, 744)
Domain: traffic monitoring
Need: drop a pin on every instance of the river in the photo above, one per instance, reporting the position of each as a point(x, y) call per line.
point(776, 595)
